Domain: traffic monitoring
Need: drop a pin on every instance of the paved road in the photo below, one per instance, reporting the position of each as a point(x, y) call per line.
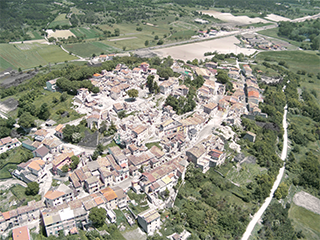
point(259, 214)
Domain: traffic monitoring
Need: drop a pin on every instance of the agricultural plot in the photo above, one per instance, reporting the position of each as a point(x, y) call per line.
point(35, 35)
point(306, 221)
point(60, 20)
point(32, 55)
point(87, 33)
point(87, 49)
point(297, 60)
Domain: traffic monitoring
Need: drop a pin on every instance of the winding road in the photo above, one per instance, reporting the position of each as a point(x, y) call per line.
point(257, 216)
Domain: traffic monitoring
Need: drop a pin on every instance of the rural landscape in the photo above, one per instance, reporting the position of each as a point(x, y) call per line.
point(164, 119)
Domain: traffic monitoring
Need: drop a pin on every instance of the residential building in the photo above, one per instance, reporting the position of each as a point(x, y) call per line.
point(149, 220)
point(60, 160)
point(8, 143)
point(40, 135)
point(140, 132)
point(91, 184)
point(195, 153)
point(28, 145)
point(110, 196)
point(42, 152)
point(31, 171)
point(217, 157)
point(51, 85)
point(209, 107)
point(250, 136)
point(62, 194)
point(21, 233)
point(59, 132)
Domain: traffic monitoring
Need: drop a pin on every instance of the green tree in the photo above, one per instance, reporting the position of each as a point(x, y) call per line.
point(146, 43)
point(65, 168)
point(32, 188)
point(26, 120)
point(75, 162)
point(282, 191)
point(97, 216)
point(160, 42)
point(44, 112)
point(222, 77)
point(133, 93)
point(122, 114)
point(63, 97)
point(95, 90)
point(117, 32)
point(156, 37)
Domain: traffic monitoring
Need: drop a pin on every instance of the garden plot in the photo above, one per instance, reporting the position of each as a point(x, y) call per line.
point(307, 201)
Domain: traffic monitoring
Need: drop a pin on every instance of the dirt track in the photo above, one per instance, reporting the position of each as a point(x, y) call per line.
point(307, 201)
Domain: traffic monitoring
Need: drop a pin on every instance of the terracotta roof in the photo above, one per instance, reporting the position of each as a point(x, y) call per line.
point(139, 129)
point(157, 152)
point(41, 132)
point(253, 94)
point(36, 164)
point(21, 233)
point(211, 105)
point(59, 128)
point(6, 140)
point(53, 194)
point(109, 194)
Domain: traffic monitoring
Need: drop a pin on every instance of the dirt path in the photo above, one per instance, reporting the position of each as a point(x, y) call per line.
point(307, 201)
point(257, 216)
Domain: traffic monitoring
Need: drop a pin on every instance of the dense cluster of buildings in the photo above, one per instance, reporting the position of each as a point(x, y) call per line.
point(156, 145)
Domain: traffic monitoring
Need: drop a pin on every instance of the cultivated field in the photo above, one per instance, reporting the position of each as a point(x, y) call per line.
point(85, 32)
point(59, 33)
point(30, 55)
point(197, 50)
point(228, 17)
point(87, 49)
point(60, 20)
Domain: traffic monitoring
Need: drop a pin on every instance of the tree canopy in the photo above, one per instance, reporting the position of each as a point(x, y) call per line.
point(97, 216)
point(32, 189)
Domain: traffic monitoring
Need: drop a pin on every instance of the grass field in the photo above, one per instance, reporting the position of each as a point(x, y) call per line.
point(60, 20)
point(87, 33)
point(35, 35)
point(87, 49)
point(10, 163)
point(306, 221)
point(297, 60)
point(32, 55)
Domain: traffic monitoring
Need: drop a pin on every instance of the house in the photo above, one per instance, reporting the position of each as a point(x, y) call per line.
point(57, 197)
point(140, 132)
point(166, 87)
point(40, 135)
point(211, 85)
point(223, 104)
point(250, 136)
point(28, 145)
point(30, 171)
point(184, 90)
point(247, 70)
point(8, 143)
point(233, 74)
point(202, 72)
point(63, 219)
point(157, 152)
point(59, 132)
point(41, 152)
point(51, 85)
point(118, 107)
point(209, 107)
point(110, 196)
point(195, 153)
point(118, 155)
point(141, 161)
point(93, 120)
point(144, 66)
point(21, 233)
point(53, 144)
point(217, 157)
point(60, 160)
point(91, 184)
point(149, 220)
point(121, 197)
point(115, 92)
point(106, 176)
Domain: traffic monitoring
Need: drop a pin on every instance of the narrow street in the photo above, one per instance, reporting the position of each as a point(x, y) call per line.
point(259, 214)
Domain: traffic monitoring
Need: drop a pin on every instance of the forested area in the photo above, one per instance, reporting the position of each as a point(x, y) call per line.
point(308, 31)
point(276, 224)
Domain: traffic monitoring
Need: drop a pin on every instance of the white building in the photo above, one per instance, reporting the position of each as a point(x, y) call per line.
point(149, 220)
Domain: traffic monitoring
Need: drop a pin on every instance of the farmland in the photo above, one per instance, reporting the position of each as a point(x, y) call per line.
point(85, 32)
point(30, 55)
point(87, 49)
point(59, 20)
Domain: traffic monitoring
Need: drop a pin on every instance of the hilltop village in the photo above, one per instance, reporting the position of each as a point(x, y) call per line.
point(153, 146)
